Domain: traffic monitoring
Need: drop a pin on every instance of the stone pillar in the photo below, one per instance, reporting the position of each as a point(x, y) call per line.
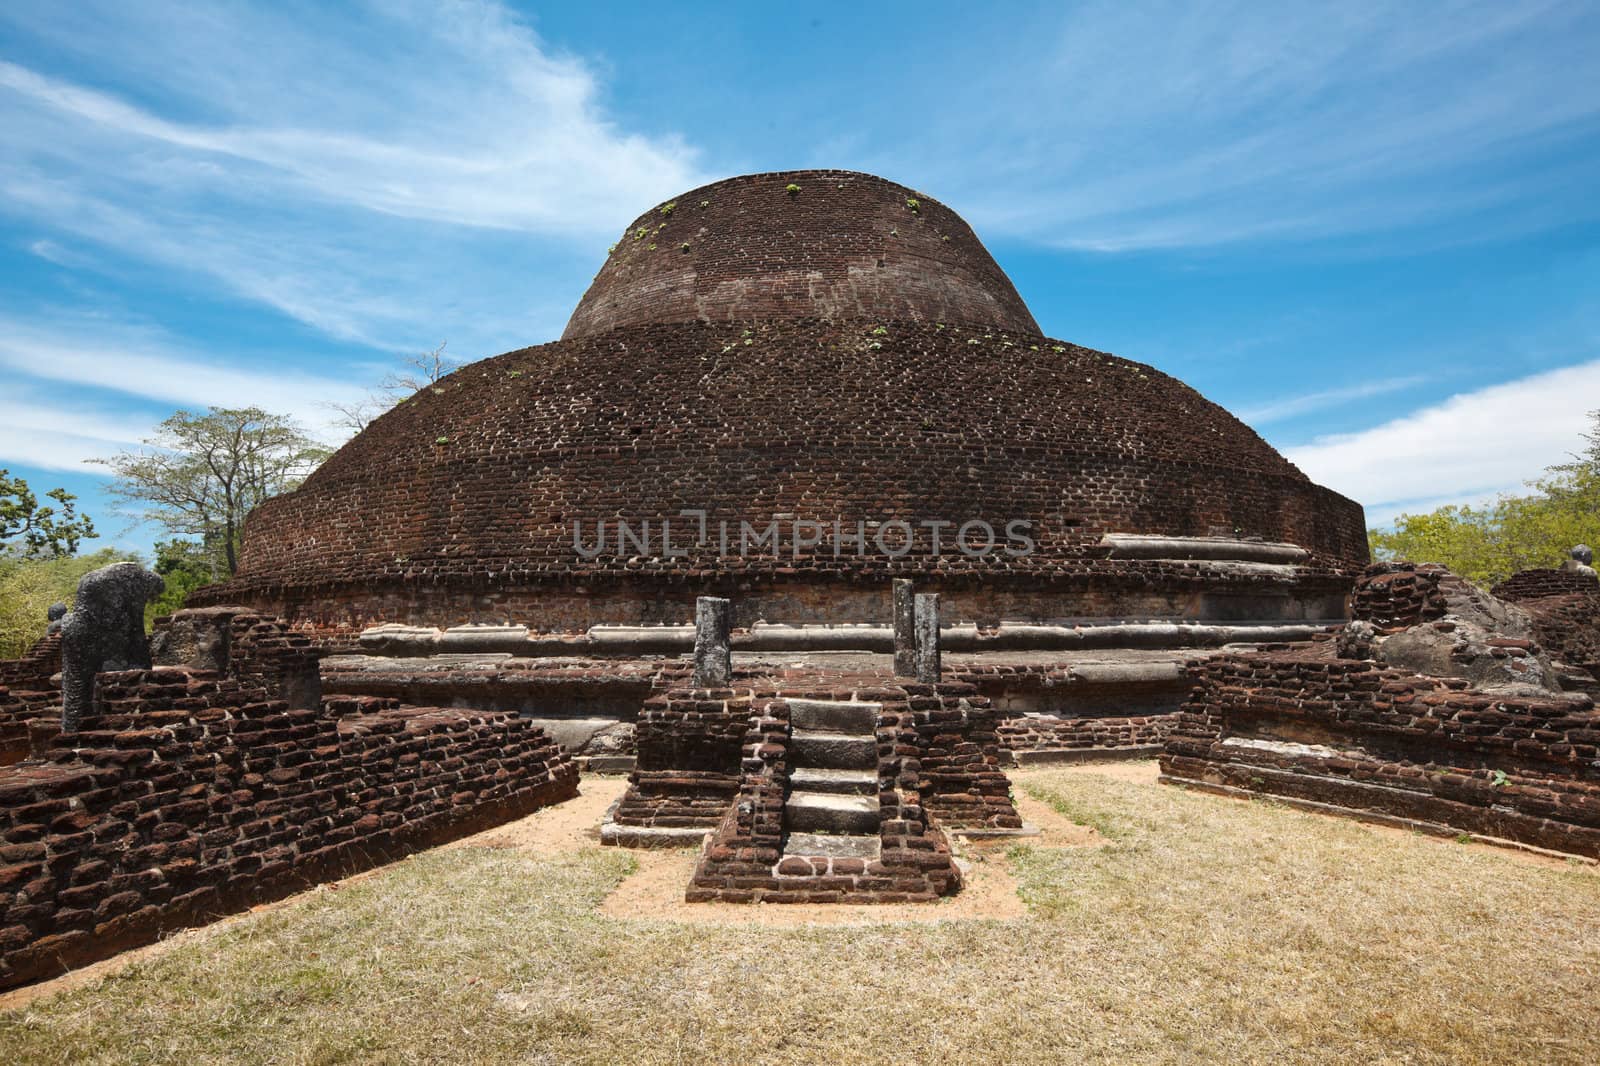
point(905, 629)
point(927, 614)
point(713, 647)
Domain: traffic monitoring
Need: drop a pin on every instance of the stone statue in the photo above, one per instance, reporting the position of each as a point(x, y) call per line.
point(57, 612)
point(104, 631)
point(1582, 561)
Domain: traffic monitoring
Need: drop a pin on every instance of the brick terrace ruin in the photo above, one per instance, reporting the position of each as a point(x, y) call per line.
point(433, 633)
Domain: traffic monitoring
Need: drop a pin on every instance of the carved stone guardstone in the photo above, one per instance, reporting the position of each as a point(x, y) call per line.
point(905, 628)
point(104, 631)
point(1581, 561)
point(713, 642)
point(927, 624)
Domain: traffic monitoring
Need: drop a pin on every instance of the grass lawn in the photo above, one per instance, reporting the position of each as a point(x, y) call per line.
point(1200, 930)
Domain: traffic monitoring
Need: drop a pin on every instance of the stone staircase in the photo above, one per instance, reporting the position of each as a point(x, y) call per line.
point(832, 809)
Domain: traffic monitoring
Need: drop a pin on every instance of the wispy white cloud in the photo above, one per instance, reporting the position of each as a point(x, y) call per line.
point(1290, 406)
point(332, 163)
point(115, 358)
point(1186, 124)
point(40, 431)
point(1468, 448)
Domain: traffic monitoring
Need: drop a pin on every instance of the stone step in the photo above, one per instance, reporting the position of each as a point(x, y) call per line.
point(839, 782)
point(825, 812)
point(833, 846)
point(836, 751)
point(834, 716)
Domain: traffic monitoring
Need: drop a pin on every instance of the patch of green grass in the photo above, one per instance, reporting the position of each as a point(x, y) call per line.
point(1108, 823)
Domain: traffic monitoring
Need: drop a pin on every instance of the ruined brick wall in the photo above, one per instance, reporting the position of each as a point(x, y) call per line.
point(955, 733)
point(188, 795)
point(1083, 735)
point(1395, 596)
point(1569, 628)
point(690, 745)
point(1537, 584)
point(36, 667)
point(1365, 739)
point(844, 245)
point(27, 695)
point(472, 488)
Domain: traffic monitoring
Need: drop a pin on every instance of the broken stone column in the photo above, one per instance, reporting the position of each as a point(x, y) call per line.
point(104, 631)
point(905, 628)
point(927, 625)
point(713, 643)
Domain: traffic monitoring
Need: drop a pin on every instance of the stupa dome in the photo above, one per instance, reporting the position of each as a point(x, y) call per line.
point(825, 244)
point(816, 347)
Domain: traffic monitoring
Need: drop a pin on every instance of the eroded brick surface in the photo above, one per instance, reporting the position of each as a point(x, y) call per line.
point(463, 499)
point(1373, 740)
point(189, 794)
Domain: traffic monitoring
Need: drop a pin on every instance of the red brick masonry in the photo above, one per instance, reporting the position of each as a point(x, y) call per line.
point(189, 795)
point(1379, 743)
point(26, 693)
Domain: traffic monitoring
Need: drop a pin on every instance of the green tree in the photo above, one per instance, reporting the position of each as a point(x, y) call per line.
point(184, 565)
point(1516, 532)
point(29, 586)
point(202, 473)
point(32, 529)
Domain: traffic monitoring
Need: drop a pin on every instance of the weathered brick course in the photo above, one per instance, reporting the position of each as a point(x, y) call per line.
point(189, 794)
point(1378, 742)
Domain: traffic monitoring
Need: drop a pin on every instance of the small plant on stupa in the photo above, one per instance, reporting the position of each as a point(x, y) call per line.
point(666, 209)
point(913, 206)
point(792, 189)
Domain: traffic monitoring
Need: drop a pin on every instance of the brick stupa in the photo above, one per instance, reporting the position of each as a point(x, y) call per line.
point(816, 346)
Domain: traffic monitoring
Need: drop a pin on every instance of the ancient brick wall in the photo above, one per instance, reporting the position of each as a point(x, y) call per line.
point(690, 744)
point(27, 695)
point(841, 245)
point(955, 732)
point(188, 795)
point(35, 669)
point(474, 486)
point(1360, 738)
point(1537, 584)
point(1083, 735)
point(333, 617)
point(1395, 596)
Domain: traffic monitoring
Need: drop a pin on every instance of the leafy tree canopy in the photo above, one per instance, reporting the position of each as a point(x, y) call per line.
point(29, 586)
point(29, 528)
point(202, 473)
point(1490, 543)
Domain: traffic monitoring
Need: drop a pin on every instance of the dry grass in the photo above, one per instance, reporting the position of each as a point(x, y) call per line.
point(1204, 930)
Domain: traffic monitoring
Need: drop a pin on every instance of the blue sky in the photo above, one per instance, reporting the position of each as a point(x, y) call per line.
point(1370, 230)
